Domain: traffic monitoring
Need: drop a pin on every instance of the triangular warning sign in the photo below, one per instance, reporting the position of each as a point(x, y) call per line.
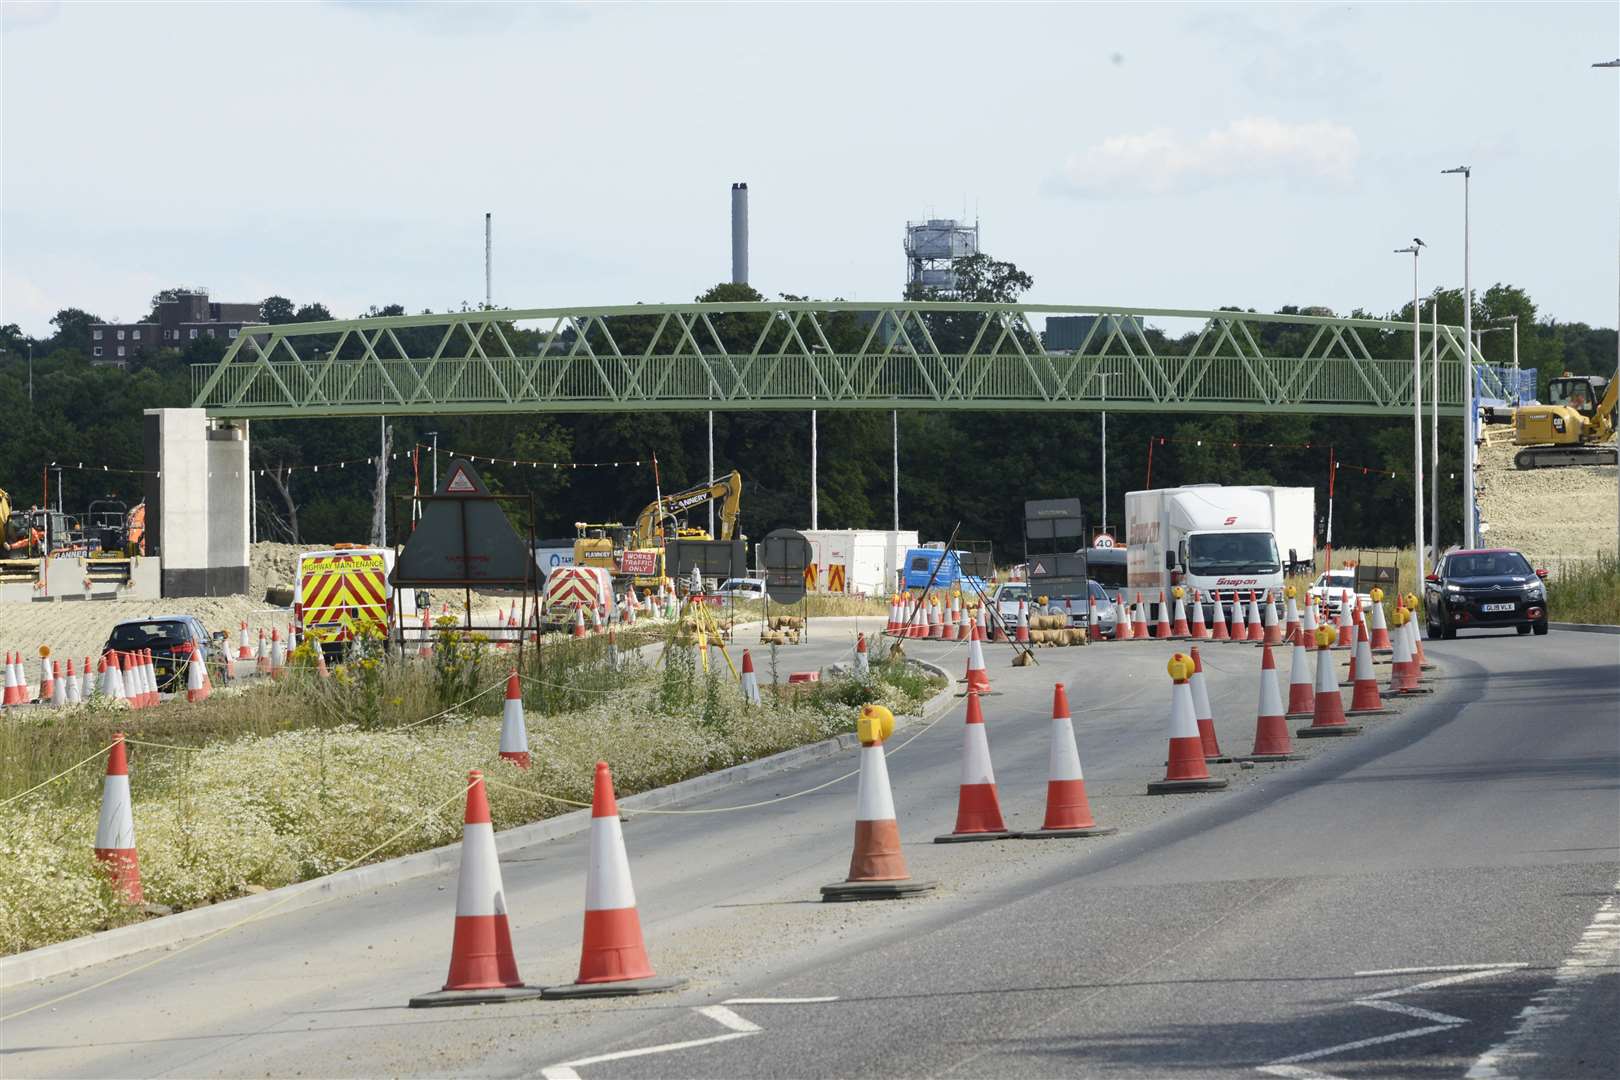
point(1038, 568)
point(460, 481)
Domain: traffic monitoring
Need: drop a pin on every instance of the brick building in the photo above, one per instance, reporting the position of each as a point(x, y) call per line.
point(185, 318)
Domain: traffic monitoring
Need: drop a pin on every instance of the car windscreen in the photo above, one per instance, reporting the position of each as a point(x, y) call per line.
point(159, 634)
point(1487, 564)
point(1232, 553)
point(1112, 575)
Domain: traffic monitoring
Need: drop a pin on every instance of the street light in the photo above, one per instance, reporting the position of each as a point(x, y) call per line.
point(1467, 172)
point(1104, 377)
point(1414, 249)
point(1613, 65)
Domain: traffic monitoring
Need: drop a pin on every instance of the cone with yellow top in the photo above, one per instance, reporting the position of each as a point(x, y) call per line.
point(877, 868)
point(1185, 769)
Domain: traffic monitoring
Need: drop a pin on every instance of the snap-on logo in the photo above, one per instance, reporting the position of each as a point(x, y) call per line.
point(1232, 520)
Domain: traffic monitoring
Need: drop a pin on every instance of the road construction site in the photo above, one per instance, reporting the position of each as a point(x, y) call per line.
point(1029, 958)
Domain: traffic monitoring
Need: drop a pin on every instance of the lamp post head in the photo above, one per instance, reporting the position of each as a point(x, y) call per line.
point(1607, 64)
point(1466, 170)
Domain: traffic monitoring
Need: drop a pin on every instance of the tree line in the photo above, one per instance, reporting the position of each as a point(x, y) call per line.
point(975, 468)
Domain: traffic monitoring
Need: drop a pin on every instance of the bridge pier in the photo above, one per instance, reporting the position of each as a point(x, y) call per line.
point(197, 501)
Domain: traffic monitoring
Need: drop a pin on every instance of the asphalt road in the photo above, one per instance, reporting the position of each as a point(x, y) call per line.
point(1473, 835)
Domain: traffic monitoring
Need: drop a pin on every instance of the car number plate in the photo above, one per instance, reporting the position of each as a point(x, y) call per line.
point(1497, 607)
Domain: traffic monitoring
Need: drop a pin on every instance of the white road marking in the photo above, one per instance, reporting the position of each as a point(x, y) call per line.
point(1298, 1072)
point(1329, 1051)
point(779, 1001)
point(726, 1018)
point(1597, 953)
point(1450, 980)
point(559, 1072)
point(1435, 968)
point(1414, 1012)
point(554, 1072)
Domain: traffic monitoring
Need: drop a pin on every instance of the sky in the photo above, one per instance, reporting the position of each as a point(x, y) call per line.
point(1133, 155)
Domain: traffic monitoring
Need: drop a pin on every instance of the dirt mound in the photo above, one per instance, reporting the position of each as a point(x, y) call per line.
point(272, 566)
point(1552, 515)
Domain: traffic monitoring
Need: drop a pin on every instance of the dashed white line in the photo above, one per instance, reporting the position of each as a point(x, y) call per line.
point(1298, 1072)
point(780, 1001)
point(1597, 953)
point(1436, 968)
point(726, 1018)
point(565, 1071)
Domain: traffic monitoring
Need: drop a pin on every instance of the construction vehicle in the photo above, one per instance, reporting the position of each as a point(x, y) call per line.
point(636, 553)
point(344, 592)
point(1572, 427)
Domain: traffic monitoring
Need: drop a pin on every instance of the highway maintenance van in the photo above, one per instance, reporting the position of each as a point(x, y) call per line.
point(344, 589)
point(571, 588)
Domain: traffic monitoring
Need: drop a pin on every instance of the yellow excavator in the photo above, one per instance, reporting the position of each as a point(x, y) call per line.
point(637, 552)
point(1575, 427)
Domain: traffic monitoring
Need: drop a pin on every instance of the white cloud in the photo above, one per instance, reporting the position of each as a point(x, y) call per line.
point(1162, 162)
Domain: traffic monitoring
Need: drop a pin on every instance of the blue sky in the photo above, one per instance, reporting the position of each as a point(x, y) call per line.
point(1151, 155)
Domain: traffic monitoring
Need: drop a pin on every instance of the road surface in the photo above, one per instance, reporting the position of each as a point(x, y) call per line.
point(1388, 907)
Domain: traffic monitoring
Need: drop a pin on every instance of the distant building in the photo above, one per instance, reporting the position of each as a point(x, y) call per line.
point(932, 248)
point(184, 319)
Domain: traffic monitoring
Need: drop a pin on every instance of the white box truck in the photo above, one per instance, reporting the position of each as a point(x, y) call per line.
point(1221, 541)
point(871, 558)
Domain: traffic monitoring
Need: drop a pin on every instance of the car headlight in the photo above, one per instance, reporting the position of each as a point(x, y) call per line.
point(1535, 592)
point(1453, 588)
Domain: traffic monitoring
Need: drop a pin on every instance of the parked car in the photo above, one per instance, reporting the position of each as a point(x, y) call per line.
point(1330, 587)
point(170, 638)
point(742, 588)
point(1485, 589)
point(1078, 608)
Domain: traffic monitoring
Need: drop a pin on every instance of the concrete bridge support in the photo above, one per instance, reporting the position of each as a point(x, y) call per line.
point(197, 501)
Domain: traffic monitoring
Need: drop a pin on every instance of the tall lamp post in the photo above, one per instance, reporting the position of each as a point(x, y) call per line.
point(1414, 249)
point(1467, 172)
point(1104, 377)
point(1614, 65)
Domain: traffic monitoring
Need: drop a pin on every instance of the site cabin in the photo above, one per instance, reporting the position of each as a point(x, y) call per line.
point(1223, 542)
point(343, 592)
point(577, 588)
point(871, 559)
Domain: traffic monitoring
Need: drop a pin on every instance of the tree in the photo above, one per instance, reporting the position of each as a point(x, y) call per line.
point(277, 309)
point(312, 313)
point(73, 329)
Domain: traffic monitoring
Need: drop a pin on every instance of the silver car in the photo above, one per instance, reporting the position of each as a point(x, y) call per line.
point(1078, 608)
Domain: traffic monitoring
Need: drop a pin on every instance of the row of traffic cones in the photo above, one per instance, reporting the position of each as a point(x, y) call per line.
point(119, 676)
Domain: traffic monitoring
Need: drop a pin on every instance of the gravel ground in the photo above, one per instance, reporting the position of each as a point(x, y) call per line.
point(1549, 514)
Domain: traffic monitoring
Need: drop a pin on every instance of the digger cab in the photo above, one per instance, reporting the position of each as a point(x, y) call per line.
point(1579, 392)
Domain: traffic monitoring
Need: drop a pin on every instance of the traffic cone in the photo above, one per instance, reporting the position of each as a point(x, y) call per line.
point(1178, 627)
point(483, 968)
point(1163, 632)
point(115, 832)
point(1257, 629)
point(514, 733)
point(58, 685)
point(1290, 616)
point(863, 666)
point(978, 808)
point(424, 647)
point(613, 649)
point(74, 688)
point(1364, 698)
point(1202, 710)
point(1377, 628)
point(1139, 625)
point(1271, 741)
point(613, 956)
point(1093, 624)
point(750, 682)
point(877, 867)
point(978, 679)
point(579, 622)
point(1200, 632)
point(947, 623)
point(47, 681)
point(894, 616)
point(320, 662)
point(1327, 713)
point(1217, 630)
point(1301, 684)
point(1022, 634)
point(1347, 626)
point(1402, 677)
point(935, 631)
point(1307, 621)
point(965, 628)
point(1185, 768)
point(1068, 813)
point(107, 667)
point(262, 660)
point(243, 650)
point(88, 680)
point(197, 687)
point(129, 668)
point(1240, 631)
point(278, 655)
point(1273, 632)
point(1122, 618)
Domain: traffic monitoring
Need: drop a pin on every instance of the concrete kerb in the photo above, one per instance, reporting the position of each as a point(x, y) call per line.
point(170, 930)
point(1585, 628)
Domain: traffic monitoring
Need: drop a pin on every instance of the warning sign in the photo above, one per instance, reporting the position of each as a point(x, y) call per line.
point(1037, 570)
point(640, 563)
point(810, 577)
point(835, 577)
point(460, 483)
point(1103, 540)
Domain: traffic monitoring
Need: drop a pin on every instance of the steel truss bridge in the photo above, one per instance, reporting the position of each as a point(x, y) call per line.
point(661, 357)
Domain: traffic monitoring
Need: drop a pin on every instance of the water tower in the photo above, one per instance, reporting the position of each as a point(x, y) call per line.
point(931, 247)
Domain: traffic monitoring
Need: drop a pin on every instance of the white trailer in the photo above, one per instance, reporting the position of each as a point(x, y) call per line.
point(1220, 541)
point(871, 558)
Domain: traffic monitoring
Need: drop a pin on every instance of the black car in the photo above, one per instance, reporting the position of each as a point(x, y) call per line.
point(169, 637)
point(1484, 590)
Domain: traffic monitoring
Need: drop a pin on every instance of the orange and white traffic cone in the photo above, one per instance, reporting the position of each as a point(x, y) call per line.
point(1068, 812)
point(483, 967)
point(115, 831)
point(1093, 624)
point(613, 957)
point(1307, 622)
point(1257, 628)
point(1290, 615)
point(863, 664)
point(965, 627)
point(47, 678)
point(1185, 768)
point(1217, 631)
point(1122, 618)
point(1348, 603)
point(1200, 632)
point(1240, 630)
point(1364, 697)
point(1273, 632)
point(197, 686)
point(87, 681)
point(73, 692)
point(749, 681)
point(978, 808)
point(894, 616)
point(1163, 632)
point(1327, 713)
point(1271, 741)
point(579, 622)
point(877, 866)
point(514, 733)
point(1202, 710)
point(1402, 677)
point(12, 695)
point(244, 651)
point(1021, 635)
point(107, 668)
point(1301, 683)
point(424, 646)
point(58, 685)
point(278, 655)
point(1139, 623)
point(978, 679)
point(1178, 625)
point(1377, 629)
point(935, 630)
point(134, 680)
point(261, 662)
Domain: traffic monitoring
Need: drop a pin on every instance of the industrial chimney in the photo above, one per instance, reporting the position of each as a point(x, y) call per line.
point(739, 234)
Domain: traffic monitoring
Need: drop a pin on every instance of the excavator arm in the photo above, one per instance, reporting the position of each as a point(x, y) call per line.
point(727, 491)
